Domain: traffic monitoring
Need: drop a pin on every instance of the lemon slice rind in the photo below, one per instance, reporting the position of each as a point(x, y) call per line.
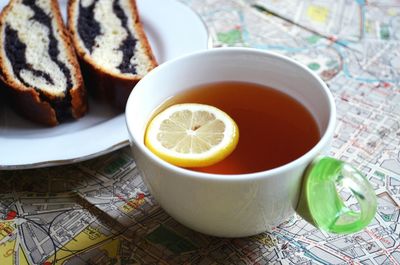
point(192, 135)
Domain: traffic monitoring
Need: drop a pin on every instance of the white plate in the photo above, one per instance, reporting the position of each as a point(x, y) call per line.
point(173, 29)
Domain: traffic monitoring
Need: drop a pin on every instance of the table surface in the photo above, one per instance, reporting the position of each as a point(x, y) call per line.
point(100, 212)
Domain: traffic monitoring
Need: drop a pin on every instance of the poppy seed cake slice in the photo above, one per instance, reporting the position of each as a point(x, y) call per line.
point(38, 64)
point(112, 46)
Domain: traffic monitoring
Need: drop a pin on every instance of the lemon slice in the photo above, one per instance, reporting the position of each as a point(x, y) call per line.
point(192, 135)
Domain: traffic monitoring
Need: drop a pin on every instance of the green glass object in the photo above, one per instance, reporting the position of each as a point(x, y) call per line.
point(321, 204)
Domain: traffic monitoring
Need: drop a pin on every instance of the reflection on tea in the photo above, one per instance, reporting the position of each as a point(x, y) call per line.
point(274, 128)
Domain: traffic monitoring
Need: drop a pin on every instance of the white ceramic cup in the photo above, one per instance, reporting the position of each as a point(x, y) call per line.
point(227, 205)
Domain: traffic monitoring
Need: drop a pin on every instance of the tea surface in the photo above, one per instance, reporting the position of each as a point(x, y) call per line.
point(274, 128)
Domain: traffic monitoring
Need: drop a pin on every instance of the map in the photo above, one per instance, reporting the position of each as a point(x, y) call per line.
point(100, 212)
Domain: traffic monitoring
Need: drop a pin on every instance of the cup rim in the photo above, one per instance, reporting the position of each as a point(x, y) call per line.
point(308, 156)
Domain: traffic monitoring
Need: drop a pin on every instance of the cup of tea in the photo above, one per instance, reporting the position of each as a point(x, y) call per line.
point(286, 118)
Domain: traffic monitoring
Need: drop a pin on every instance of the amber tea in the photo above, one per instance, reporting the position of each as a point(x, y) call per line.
point(274, 128)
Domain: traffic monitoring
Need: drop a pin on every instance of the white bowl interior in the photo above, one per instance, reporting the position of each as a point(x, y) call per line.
point(232, 64)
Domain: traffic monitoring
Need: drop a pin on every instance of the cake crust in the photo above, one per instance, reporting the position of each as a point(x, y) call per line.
point(100, 81)
point(26, 99)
